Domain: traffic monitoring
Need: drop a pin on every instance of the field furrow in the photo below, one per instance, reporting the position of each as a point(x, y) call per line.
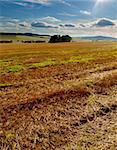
point(68, 104)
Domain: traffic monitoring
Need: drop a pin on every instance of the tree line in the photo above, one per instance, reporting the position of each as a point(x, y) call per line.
point(53, 39)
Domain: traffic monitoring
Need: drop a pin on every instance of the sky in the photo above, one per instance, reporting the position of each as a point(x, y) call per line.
point(73, 17)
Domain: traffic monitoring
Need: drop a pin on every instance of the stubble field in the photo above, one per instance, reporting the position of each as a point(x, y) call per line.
point(58, 96)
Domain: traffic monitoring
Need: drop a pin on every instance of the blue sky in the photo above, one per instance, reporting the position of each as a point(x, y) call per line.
point(74, 17)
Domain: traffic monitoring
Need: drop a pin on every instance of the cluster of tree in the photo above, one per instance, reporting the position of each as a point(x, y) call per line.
point(6, 41)
point(33, 41)
point(58, 38)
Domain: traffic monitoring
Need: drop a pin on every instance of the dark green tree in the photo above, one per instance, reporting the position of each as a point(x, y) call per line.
point(58, 38)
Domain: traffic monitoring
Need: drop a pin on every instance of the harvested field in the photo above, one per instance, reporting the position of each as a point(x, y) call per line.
point(58, 96)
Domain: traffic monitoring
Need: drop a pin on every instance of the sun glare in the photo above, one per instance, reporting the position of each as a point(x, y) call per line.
point(98, 2)
point(99, 5)
point(101, 1)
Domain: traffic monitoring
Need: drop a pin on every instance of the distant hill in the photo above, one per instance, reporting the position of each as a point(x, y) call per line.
point(23, 34)
point(19, 37)
point(98, 38)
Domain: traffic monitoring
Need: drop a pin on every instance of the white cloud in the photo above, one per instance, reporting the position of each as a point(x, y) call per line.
point(38, 1)
point(67, 14)
point(104, 22)
point(43, 2)
point(100, 23)
point(65, 3)
point(37, 24)
point(84, 12)
point(51, 25)
point(25, 24)
point(50, 20)
point(67, 25)
point(20, 4)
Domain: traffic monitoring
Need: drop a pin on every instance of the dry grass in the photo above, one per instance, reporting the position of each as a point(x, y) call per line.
point(63, 97)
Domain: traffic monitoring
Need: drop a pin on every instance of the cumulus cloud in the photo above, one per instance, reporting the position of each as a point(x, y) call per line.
point(99, 23)
point(42, 25)
point(104, 23)
point(50, 20)
point(52, 25)
point(69, 25)
point(8, 22)
point(84, 12)
point(25, 24)
point(14, 23)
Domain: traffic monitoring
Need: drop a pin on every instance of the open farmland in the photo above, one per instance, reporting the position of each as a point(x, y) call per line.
point(20, 38)
point(58, 96)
